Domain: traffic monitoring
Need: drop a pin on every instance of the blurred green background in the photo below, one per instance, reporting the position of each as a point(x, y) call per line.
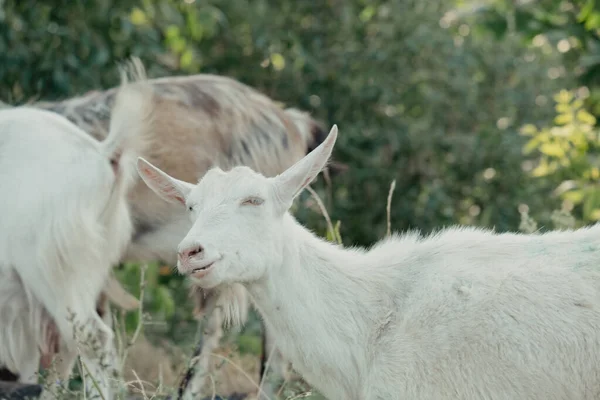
point(433, 94)
point(480, 110)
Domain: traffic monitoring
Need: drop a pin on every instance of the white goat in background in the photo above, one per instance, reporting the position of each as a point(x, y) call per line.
point(65, 223)
point(465, 313)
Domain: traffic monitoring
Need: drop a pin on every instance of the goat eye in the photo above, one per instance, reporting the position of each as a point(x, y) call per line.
point(190, 208)
point(252, 201)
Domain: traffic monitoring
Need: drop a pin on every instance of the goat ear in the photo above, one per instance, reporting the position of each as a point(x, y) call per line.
point(168, 188)
point(292, 181)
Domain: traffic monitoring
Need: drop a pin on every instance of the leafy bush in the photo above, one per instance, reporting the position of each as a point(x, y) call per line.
point(567, 156)
point(570, 26)
point(435, 106)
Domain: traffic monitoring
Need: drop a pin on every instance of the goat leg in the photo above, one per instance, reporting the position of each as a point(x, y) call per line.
point(118, 295)
point(110, 350)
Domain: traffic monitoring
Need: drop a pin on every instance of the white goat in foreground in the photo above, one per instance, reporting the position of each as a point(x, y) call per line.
point(65, 222)
point(463, 314)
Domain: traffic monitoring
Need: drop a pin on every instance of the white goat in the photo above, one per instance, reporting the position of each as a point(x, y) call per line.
point(463, 314)
point(65, 222)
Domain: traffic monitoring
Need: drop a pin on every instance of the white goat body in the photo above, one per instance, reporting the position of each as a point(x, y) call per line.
point(465, 313)
point(65, 222)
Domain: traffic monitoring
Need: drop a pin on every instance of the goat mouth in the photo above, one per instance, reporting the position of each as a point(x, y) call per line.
point(199, 272)
point(203, 268)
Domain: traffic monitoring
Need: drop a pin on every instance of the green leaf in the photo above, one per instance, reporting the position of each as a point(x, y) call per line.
point(585, 117)
point(563, 119)
point(564, 96)
point(178, 45)
point(552, 149)
point(278, 61)
point(165, 300)
point(586, 10)
point(562, 108)
point(574, 196)
point(186, 59)
point(593, 21)
point(249, 344)
point(138, 17)
point(330, 236)
point(591, 202)
point(531, 145)
point(196, 31)
point(577, 104)
point(528, 130)
point(367, 13)
point(335, 235)
point(172, 32)
point(542, 169)
point(336, 229)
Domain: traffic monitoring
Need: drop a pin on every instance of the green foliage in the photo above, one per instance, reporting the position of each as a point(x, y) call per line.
point(251, 344)
point(435, 107)
point(157, 299)
point(166, 300)
point(570, 26)
point(567, 153)
point(561, 219)
point(333, 235)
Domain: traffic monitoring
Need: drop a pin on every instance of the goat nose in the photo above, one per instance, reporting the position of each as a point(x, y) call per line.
point(191, 252)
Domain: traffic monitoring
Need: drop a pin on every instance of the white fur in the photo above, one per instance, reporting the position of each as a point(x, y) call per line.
point(65, 222)
point(465, 313)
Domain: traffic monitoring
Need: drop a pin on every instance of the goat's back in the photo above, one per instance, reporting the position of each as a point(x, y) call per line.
point(51, 170)
point(486, 316)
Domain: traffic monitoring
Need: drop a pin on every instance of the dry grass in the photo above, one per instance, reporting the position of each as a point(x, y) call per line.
point(151, 367)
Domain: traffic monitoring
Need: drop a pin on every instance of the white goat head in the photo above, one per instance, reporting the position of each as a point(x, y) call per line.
point(237, 216)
